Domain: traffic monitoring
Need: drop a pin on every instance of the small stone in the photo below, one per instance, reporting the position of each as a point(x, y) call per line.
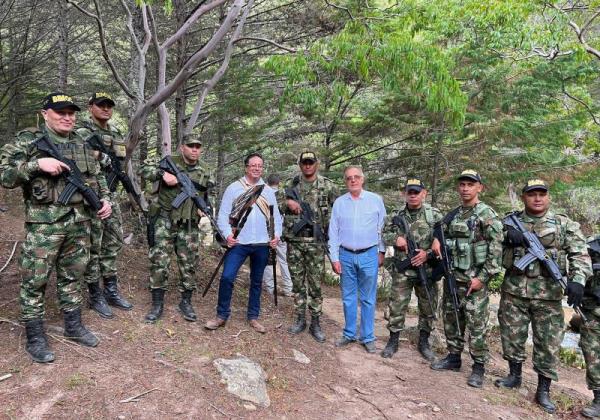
point(436, 409)
point(523, 391)
point(422, 404)
point(300, 357)
point(121, 417)
point(250, 407)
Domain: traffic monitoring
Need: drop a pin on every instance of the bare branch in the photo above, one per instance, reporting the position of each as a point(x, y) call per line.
point(582, 103)
point(268, 41)
point(335, 6)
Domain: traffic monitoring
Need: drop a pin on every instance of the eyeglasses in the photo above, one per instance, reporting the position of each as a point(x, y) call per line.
point(255, 166)
point(353, 177)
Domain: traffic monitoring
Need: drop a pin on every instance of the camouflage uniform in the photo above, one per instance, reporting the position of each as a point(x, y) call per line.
point(175, 229)
point(306, 256)
point(474, 237)
point(533, 296)
point(56, 235)
point(106, 244)
point(421, 223)
point(590, 331)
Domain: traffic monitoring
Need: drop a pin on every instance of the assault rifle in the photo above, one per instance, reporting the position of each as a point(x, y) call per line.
point(412, 248)
point(536, 251)
point(307, 220)
point(594, 248)
point(189, 189)
point(116, 172)
point(445, 268)
point(272, 251)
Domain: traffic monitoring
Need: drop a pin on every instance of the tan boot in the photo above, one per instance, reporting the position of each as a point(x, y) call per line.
point(257, 326)
point(213, 324)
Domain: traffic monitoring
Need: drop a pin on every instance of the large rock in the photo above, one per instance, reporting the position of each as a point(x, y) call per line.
point(245, 379)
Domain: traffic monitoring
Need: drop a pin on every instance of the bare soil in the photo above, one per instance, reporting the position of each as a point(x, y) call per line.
point(172, 359)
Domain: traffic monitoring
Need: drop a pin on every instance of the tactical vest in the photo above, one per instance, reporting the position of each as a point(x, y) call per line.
point(166, 194)
point(466, 239)
point(551, 233)
point(111, 138)
point(45, 189)
point(321, 204)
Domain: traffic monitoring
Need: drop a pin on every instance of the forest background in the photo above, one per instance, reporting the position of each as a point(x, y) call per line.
point(413, 87)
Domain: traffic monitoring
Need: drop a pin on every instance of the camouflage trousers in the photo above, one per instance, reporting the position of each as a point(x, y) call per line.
point(400, 294)
point(64, 246)
point(473, 315)
point(590, 345)
point(547, 322)
point(307, 265)
point(183, 240)
point(106, 244)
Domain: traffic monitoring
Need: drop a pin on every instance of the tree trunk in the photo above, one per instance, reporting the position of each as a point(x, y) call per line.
point(63, 46)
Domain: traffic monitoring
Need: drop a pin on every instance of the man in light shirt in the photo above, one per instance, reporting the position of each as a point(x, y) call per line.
point(357, 251)
point(253, 241)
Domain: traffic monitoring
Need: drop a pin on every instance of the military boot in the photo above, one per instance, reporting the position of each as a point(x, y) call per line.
point(315, 329)
point(513, 380)
point(542, 394)
point(424, 347)
point(112, 295)
point(37, 342)
point(392, 345)
point(97, 301)
point(593, 410)
point(450, 362)
point(299, 325)
point(158, 298)
point(185, 306)
point(75, 331)
point(476, 377)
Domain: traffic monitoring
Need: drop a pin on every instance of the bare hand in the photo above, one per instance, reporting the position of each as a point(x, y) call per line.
point(231, 241)
point(419, 259)
point(170, 180)
point(337, 267)
point(380, 258)
point(401, 244)
point(52, 166)
point(201, 213)
point(436, 247)
point(97, 154)
point(293, 206)
point(274, 242)
point(105, 211)
point(474, 285)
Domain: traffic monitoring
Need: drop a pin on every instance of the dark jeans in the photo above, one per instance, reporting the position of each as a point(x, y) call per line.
point(259, 256)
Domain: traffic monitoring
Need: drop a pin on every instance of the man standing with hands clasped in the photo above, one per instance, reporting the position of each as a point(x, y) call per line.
point(357, 251)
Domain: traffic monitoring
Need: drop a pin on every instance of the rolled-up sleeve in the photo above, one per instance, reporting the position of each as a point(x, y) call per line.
point(225, 211)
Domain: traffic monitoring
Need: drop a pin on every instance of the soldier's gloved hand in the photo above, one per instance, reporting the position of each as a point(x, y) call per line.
point(596, 294)
point(514, 238)
point(574, 293)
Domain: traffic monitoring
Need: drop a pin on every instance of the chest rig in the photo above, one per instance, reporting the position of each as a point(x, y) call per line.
point(466, 239)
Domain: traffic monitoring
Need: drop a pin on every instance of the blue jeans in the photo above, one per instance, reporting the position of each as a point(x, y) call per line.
point(359, 281)
point(259, 256)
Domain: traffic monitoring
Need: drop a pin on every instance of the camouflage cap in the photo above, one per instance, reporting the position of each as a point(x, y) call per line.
point(307, 156)
point(414, 184)
point(471, 175)
point(99, 97)
point(192, 140)
point(535, 184)
point(57, 101)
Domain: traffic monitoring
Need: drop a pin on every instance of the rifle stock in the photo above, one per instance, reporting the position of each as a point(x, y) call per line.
point(273, 252)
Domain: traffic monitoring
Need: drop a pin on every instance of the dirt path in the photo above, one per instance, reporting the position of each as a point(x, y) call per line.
point(173, 360)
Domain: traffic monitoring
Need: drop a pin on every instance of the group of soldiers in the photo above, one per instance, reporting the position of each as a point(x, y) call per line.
point(73, 224)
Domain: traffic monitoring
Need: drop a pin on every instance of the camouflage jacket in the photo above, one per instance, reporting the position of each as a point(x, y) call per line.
point(319, 194)
point(111, 137)
point(420, 222)
point(19, 168)
point(563, 241)
point(165, 194)
point(593, 281)
point(474, 237)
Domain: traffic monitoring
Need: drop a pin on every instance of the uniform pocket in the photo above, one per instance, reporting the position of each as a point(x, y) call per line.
point(480, 250)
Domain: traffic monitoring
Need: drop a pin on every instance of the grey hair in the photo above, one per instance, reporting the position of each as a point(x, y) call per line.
point(357, 167)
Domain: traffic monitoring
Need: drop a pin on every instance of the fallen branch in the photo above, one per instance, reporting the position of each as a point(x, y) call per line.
point(238, 334)
point(10, 321)
point(10, 258)
point(218, 409)
point(182, 369)
point(374, 405)
point(135, 397)
point(4, 377)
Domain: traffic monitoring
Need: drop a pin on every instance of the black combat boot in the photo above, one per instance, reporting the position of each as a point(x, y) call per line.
point(75, 331)
point(299, 325)
point(315, 329)
point(424, 347)
point(542, 394)
point(513, 380)
point(593, 410)
point(185, 306)
point(476, 377)
point(37, 342)
point(112, 295)
point(392, 345)
point(450, 362)
point(158, 298)
point(97, 301)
